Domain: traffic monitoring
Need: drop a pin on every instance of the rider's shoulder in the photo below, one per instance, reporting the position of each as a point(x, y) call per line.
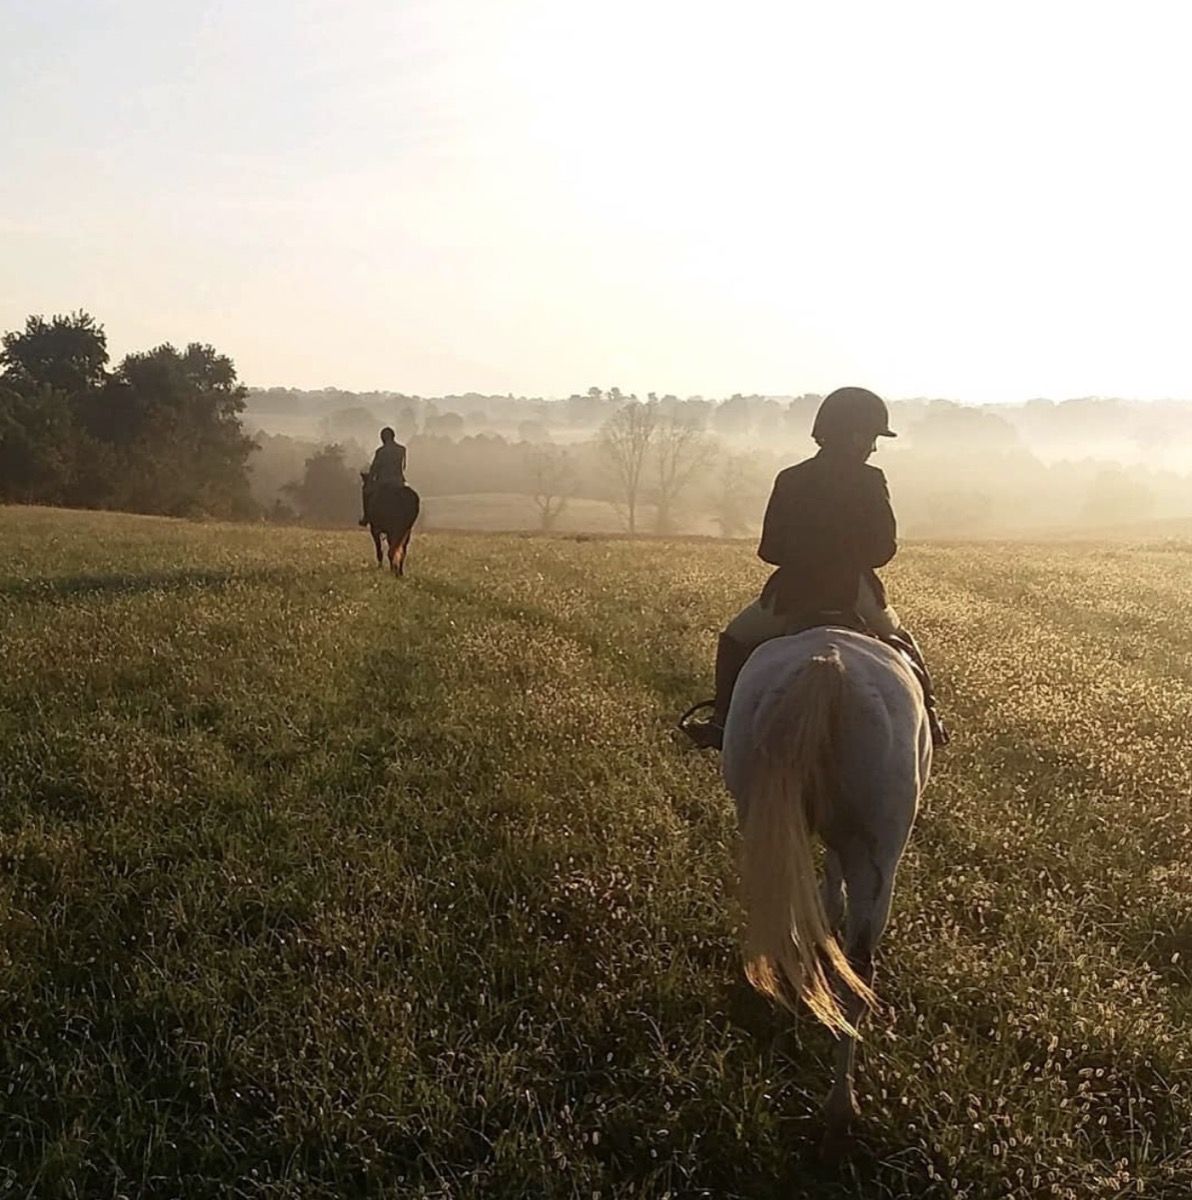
point(875, 480)
point(796, 471)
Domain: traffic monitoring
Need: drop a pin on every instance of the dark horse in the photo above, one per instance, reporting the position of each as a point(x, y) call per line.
point(391, 511)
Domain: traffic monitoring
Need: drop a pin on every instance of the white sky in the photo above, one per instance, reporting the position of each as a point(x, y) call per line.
point(988, 202)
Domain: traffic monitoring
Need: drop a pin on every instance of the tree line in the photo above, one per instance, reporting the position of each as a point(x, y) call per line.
point(1091, 426)
point(158, 433)
point(955, 472)
point(164, 431)
point(645, 463)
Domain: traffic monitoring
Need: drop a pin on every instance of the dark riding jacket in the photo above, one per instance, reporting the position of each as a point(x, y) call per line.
point(828, 524)
point(388, 464)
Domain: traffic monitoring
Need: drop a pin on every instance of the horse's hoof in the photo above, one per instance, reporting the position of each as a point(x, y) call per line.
point(840, 1115)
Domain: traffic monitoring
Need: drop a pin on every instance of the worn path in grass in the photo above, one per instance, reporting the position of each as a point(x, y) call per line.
point(321, 883)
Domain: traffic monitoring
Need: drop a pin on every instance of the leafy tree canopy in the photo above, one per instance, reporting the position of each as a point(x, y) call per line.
point(68, 353)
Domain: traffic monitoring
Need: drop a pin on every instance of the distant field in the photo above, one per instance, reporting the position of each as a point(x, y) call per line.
point(508, 511)
point(318, 883)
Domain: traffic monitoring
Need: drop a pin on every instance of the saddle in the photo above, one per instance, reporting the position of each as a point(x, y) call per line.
point(379, 495)
point(836, 618)
point(849, 619)
point(903, 645)
point(841, 618)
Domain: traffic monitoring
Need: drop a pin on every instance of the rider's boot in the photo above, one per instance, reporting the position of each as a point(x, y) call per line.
point(730, 658)
point(905, 640)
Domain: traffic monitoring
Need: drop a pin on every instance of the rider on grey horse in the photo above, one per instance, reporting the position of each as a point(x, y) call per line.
point(388, 467)
point(827, 527)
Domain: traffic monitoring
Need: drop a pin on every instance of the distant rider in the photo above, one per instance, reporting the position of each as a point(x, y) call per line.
point(388, 468)
point(827, 526)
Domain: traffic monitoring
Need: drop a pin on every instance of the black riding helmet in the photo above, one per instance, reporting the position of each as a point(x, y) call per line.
point(387, 435)
point(851, 412)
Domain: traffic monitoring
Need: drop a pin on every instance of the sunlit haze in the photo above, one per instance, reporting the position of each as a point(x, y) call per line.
point(979, 202)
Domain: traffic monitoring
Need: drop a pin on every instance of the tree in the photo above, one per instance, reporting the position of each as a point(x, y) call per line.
point(46, 372)
point(679, 452)
point(625, 440)
point(948, 429)
point(405, 423)
point(552, 478)
point(356, 423)
point(800, 414)
point(655, 449)
point(533, 431)
point(734, 417)
point(162, 433)
point(171, 423)
point(36, 445)
point(67, 353)
point(276, 463)
point(329, 490)
point(732, 496)
point(448, 424)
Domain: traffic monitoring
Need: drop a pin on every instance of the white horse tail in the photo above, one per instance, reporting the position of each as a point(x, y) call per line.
point(788, 943)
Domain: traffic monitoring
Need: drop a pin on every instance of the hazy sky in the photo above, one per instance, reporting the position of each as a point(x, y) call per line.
point(983, 202)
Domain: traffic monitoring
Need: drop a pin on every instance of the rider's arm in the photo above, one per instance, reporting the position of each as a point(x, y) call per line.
point(877, 530)
point(776, 524)
point(372, 470)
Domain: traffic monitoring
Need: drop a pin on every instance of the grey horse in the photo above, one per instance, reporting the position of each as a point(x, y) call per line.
point(826, 736)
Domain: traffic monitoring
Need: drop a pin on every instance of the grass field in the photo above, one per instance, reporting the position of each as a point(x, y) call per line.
point(318, 883)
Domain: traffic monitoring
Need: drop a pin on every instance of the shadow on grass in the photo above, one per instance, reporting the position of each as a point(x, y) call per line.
point(126, 583)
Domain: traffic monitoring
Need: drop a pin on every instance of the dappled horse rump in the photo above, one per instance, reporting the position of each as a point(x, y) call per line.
point(391, 510)
point(848, 619)
point(819, 619)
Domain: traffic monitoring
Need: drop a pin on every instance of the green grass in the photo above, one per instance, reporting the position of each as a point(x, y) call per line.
point(318, 883)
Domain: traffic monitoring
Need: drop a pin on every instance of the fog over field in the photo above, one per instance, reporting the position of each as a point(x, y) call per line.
point(421, 197)
point(1077, 467)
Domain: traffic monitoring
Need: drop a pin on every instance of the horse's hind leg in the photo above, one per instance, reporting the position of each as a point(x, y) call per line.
point(402, 550)
point(377, 544)
point(870, 886)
